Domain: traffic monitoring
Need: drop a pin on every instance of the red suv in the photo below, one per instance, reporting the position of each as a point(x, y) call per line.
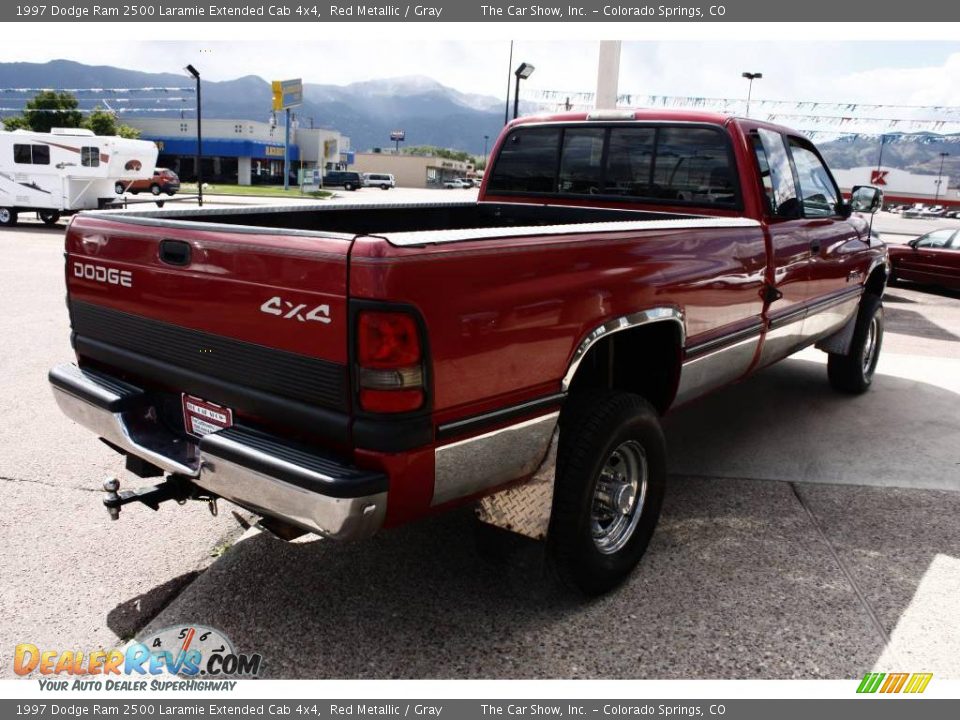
point(163, 181)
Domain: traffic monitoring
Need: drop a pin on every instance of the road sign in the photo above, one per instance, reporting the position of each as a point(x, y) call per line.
point(398, 135)
point(287, 93)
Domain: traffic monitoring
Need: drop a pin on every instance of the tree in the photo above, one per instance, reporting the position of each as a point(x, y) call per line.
point(49, 109)
point(16, 122)
point(104, 122)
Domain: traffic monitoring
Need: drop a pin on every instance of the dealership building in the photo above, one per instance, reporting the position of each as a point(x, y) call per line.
point(245, 152)
point(416, 171)
point(900, 186)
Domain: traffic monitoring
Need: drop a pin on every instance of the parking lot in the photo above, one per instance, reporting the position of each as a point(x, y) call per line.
point(804, 535)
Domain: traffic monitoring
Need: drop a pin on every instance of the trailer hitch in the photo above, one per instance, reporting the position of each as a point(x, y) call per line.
point(176, 487)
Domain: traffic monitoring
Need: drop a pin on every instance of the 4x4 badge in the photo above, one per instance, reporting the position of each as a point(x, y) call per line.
point(287, 310)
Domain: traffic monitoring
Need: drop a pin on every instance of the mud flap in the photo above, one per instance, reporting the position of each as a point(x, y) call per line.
point(525, 509)
point(839, 342)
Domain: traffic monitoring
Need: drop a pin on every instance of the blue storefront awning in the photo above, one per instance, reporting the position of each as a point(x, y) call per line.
point(222, 147)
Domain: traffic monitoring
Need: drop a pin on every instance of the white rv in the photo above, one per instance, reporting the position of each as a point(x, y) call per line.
point(66, 170)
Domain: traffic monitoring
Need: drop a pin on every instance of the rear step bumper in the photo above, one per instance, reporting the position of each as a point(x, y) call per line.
point(260, 472)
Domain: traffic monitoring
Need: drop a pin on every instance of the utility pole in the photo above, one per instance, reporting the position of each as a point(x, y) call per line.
point(196, 76)
point(506, 109)
point(943, 156)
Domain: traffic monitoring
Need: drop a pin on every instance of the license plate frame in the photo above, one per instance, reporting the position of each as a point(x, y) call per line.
point(202, 417)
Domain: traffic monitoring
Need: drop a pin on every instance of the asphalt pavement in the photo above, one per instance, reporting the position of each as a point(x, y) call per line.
point(804, 535)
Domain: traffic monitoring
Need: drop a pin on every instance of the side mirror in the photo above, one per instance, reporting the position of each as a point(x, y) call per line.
point(913, 243)
point(866, 199)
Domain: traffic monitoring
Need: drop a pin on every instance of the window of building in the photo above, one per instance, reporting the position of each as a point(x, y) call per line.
point(90, 156)
point(183, 127)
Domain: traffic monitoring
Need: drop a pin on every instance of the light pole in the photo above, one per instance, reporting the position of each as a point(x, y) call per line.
point(524, 71)
point(943, 157)
point(486, 139)
point(750, 77)
point(196, 76)
point(506, 109)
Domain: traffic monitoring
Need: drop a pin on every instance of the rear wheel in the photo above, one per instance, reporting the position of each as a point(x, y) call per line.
point(155, 189)
point(853, 372)
point(8, 217)
point(119, 189)
point(348, 186)
point(49, 217)
point(611, 474)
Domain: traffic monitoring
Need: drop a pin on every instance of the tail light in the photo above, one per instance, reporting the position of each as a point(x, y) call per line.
point(390, 362)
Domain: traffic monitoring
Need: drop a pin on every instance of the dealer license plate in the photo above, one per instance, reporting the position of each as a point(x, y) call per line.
point(201, 417)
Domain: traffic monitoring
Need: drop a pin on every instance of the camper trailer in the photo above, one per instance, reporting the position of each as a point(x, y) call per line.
point(66, 170)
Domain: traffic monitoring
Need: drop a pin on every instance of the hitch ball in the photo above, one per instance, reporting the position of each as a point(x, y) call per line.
point(111, 499)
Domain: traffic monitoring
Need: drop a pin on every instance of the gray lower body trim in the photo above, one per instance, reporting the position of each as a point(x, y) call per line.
point(710, 371)
point(476, 464)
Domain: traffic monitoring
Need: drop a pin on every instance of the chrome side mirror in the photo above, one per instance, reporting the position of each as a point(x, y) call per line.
point(866, 199)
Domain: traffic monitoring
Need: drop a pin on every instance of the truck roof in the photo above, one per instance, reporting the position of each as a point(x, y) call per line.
point(652, 115)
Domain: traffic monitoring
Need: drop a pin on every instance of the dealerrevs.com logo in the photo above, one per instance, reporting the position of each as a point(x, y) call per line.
point(892, 683)
point(186, 657)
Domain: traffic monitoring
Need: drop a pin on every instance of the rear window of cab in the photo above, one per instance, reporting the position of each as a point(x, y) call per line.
point(684, 164)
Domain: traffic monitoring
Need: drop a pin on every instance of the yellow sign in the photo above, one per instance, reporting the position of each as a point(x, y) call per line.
point(287, 93)
point(274, 151)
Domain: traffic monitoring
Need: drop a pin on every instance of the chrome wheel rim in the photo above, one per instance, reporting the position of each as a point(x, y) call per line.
point(870, 345)
point(618, 497)
point(4, 216)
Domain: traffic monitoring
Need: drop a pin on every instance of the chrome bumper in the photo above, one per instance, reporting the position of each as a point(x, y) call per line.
point(257, 471)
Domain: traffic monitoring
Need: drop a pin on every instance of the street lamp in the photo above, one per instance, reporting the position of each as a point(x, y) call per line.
point(751, 77)
point(196, 76)
point(486, 139)
point(943, 156)
point(523, 72)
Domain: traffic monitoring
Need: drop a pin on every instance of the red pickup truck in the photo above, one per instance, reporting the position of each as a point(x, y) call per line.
point(339, 369)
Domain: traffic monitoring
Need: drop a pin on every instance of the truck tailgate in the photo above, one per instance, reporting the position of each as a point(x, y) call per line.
point(256, 321)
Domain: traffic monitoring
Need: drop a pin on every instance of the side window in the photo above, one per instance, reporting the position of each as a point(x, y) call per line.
point(629, 161)
point(90, 156)
point(527, 162)
point(773, 159)
point(817, 192)
point(935, 239)
point(22, 154)
point(580, 161)
point(41, 155)
point(693, 165)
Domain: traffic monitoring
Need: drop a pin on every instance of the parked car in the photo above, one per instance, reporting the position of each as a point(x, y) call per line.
point(931, 259)
point(350, 390)
point(384, 181)
point(457, 183)
point(164, 181)
point(340, 178)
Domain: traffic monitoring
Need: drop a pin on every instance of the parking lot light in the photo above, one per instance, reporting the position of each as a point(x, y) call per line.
point(750, 77)
point(524, 71)
point(943, 156)
point(190, 69)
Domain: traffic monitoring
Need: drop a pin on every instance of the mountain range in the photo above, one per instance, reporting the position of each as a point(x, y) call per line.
point(429, 112)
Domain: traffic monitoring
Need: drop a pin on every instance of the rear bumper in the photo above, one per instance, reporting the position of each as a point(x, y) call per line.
point(263, 473)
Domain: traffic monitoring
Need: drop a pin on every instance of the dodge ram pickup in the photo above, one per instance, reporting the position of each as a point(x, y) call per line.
point(339, 369)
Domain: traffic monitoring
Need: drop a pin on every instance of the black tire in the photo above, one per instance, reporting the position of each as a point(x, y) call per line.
point(593, 431)
point(49, 217)
point(119, 188)
point(171, 193)
point(384, 187)
point(348, 187)
point(155, 189)
point(853, 373)
point(8, 217)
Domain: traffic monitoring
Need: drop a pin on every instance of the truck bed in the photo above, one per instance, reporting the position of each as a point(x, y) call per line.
point(396, 222)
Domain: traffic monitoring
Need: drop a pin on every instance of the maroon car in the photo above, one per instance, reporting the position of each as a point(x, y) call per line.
point(931, 259)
